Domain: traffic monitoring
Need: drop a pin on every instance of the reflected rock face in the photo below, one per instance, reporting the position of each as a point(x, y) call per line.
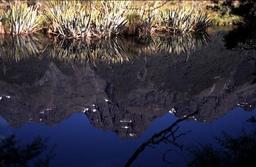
point(126, 98)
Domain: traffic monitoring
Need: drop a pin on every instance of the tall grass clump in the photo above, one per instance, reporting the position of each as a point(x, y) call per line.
point(109, 17)
point(77, 19)
point(68, 19)
point(144, 18)
point(182, 21)
point(20, 18)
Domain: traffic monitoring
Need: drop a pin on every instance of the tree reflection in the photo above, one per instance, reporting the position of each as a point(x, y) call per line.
point(244, 36)
point(234, 151)
point(169, 135)
point(13, 154)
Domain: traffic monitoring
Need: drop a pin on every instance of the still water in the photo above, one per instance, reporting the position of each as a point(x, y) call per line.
point(123, 102)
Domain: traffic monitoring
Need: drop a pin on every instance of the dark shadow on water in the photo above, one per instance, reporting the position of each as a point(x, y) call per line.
point(13, 154)
point(233, 151)
point(244, 35)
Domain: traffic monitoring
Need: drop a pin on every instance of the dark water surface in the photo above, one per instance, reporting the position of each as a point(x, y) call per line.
point(124, 102)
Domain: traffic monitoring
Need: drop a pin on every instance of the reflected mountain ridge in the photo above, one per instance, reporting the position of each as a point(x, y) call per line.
point(126, 98)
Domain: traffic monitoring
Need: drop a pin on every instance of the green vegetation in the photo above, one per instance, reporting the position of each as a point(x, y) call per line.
point(92, 20)
point(21, 19)
point(98, 19)
point(181, 21)
point(109, 18)
point(221, 14)
point(68, 19)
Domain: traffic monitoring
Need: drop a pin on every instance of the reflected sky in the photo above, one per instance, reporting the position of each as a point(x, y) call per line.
point(78, 142)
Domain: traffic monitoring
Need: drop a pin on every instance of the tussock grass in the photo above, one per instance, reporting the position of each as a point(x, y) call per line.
point(98, 19)
point(68, 19)
point(22, 19)
point(107, 19)
point(181, 21)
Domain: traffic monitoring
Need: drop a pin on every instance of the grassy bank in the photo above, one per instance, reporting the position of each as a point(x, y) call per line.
point(94, 20)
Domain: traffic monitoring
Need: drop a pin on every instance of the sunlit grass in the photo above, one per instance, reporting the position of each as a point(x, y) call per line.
point(75, 19)
point(224, 20)
point(110, 18)
point(68, 19)
point(107, 19)
point(22, 19)
point(181, 20)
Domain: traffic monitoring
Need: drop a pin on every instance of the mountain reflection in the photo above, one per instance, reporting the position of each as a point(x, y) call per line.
point(49, 83)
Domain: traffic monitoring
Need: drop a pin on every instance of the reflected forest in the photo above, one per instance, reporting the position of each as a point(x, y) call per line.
point(127, 83)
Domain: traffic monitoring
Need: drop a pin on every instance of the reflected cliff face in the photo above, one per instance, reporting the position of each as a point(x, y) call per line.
point(122, 86)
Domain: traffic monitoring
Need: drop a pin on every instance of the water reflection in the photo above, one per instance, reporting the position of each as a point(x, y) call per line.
point(14, 154)
point(18, 48)
point(124, 98)
point(226, 148)
point(178, 44)
point(113, 51)
point(233, 151)
point(122, 86)
point(170, 135)
point(109, 51)
point(243, 36)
